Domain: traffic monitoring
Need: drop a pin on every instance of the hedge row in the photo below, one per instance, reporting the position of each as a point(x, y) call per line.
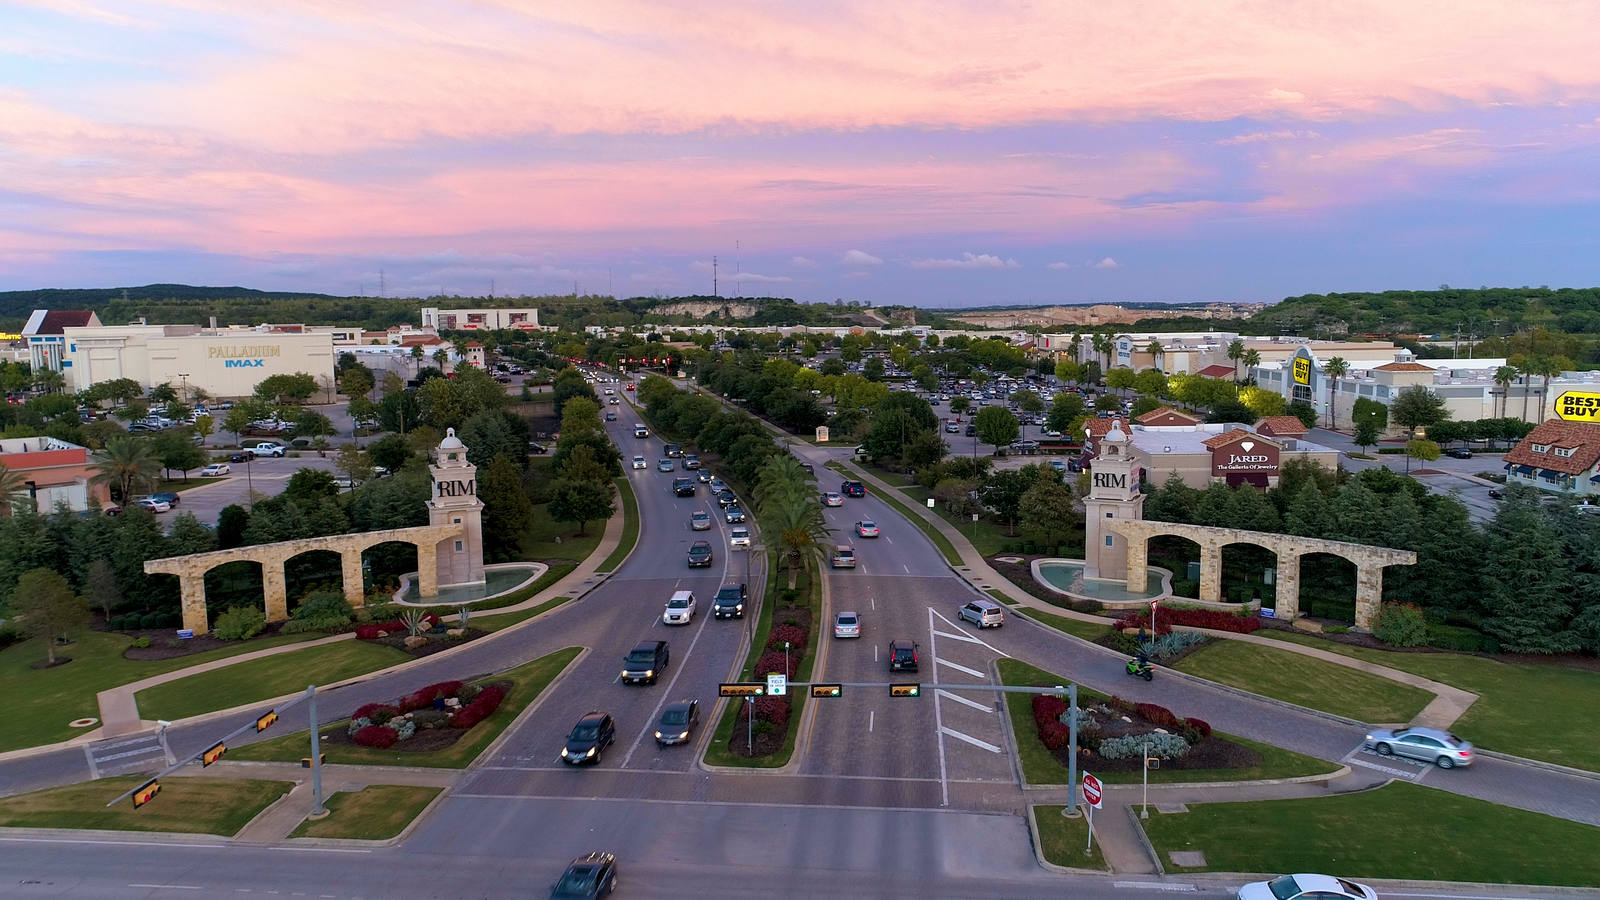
point(1194, 618)
point(378, 630)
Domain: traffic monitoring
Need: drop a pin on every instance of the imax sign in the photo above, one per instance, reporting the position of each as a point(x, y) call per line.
point(243, 363)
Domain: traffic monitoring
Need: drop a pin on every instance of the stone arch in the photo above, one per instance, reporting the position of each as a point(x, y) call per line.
point(1174, 552)
point(386, 560)
point(309, 570)
point(237, 583)
point(1243, 565)
point(1328, 577)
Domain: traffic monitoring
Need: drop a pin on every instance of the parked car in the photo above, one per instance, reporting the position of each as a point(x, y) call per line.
point(680, 609)
point(214, 470)
point(832, 499)
point(1432, 745)
point(902, 656)
point(847, 625)
point(677, 723)
point(739, 537)
point(729, 603)
point(645, 663)
point(952, 428)
point(1458, 453)
point(589, 739)
point(1496, 494)
point(167, 497)
point(866, 528)
point(639, 463)
point(1306, 887)
point(700, 555)
point(153, 504)
point(699, 520)
point(243, 456)
point(537, 448)
point(266, 448)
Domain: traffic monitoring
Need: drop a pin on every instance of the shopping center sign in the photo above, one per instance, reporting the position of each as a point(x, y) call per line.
point(1248, 455)
point(1578, 406)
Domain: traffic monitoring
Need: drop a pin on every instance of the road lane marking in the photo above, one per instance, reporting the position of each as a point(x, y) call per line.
point(997, 651)
point(938, 718)
point(170, 887)
point(1410, 776)
point(969, 739)
point(869, 719)
point(960, 699)
point(906, 568)
point(957, 636)
point(959, 668)
point(874, 602)
point(1154, 886)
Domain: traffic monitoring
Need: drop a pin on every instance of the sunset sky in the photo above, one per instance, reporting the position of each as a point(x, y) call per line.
point(896, 152)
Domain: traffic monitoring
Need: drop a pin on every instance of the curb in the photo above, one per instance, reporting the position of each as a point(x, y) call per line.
point(1539, 764)
point(1144, 841)
point(1340, 772)
point(514, 724)
point(360, 843)
point(1048, 866)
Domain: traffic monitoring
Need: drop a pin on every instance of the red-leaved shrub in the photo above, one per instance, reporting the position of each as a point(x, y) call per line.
point(1199, 725)
point(773, 709)
point(1215, 619)
point(772, 661)
point(377, 712)
point(794, 634)
point(1047, 708)
point(1159, 716)
point(368, 632)
point(487, 701)
point(379, 736)
point(1054, 734)
point(425, 697)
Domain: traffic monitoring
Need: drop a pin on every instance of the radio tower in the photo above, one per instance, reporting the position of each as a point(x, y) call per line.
point(713, 276)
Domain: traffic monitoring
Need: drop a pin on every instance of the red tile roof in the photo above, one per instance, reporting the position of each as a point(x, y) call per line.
point(56, 319)
point(1283, 426)
point(1237, 434)
point(1402, 367)
point(1580, 435)
point(1217, 371)
point(1162, 412)
point(1097, 427)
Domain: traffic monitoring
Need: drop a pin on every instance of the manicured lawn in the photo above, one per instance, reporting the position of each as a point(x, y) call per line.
point(262, 679)
point(630, 528)
point(1303, 681)
point(939, 540)
point(1061, 840)
point(1526, 710)
point(1039, 766)
point(986, 536)
point(43, 701)
point(375, 813)
point(528, 681)
point(539, 541)
point(1401, 831)
point(1078, 628)
point(218, 806)
point(506, 620)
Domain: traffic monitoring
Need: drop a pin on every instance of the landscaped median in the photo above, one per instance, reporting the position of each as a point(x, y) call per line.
point(377, 812)
point(263, 679)
point(1401, 831)
point(1062, 840)
point(220, 806)
point(521, 686)
point(630, 528)
point(928, 528)
point(1215, 756)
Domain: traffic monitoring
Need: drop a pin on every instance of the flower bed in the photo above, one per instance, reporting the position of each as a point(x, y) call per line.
point(772, 714)
point(1195, 618)
point(1112, 737)
point(427, 719)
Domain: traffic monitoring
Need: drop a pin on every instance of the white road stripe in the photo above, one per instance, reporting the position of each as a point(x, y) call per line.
point(1155, 886)
point(969, 739)
point(869, 719)
point(960, 699)
point(958, 636)
point(170, 887)
point(959, 668)
point(997, 651)
point(1384, 769)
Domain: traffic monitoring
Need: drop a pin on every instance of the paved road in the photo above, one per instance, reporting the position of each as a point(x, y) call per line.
point(1455, 477)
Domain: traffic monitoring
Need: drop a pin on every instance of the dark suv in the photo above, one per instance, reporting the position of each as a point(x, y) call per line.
point(853, 489)
point(683, 487)
point(730, 602)
point(645, 663)
point(902, 656)
point(700, 555)
point(589, 738)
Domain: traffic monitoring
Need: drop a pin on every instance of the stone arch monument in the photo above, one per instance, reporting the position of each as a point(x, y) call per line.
point(1116, 540)
point(449, 549)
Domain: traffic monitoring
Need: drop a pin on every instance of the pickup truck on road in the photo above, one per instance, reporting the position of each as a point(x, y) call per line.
point(730, 602)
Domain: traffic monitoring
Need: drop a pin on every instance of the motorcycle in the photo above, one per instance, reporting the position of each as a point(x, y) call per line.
point(1139, 668)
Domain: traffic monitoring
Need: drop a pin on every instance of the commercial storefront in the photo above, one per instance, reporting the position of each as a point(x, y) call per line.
point(226, 362)
point(1166, 441)
point(52, 473)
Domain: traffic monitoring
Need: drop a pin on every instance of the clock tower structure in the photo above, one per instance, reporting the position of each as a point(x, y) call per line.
point(455, 502)
point(1113, 494)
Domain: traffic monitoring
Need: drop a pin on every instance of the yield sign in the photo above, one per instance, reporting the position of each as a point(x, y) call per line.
point(1091, 790)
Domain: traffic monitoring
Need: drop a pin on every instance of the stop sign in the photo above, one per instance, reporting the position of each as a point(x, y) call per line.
point(1091, 790)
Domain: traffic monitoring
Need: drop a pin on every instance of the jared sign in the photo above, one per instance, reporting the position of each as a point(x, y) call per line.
point(1245, 456)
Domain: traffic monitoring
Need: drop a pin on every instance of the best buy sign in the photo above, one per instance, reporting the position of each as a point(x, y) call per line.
point(1578, 406)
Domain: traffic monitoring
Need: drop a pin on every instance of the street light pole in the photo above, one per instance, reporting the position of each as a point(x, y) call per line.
point(185, 377)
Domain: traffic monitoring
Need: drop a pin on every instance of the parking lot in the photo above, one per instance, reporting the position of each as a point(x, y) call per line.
point(266, 477)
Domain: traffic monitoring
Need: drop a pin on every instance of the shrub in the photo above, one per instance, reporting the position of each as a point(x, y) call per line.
point(1158, 716)
point(379, 713)
point(430, 718)
point(1336, 629)
point(1048, 708)
point(1455, 637)
point(794, 634)
point(369, 632)
point(139, 642)
point(1173, 643)
point(1124, 643)
point(357, 723)
point(772, 661)
point(320, 611)
point(1200, 725)
point(1165, 746)
point(1216, 619)
point(468, 693)
point(773, 709)
point(488, 700)
point(376, 736)
point(425, 696)
point(763, 728)
point(1401, 625)
point(404, 728)
point(380, 611)
point(1089, 737)
point(239, 623)
point(1054, 734)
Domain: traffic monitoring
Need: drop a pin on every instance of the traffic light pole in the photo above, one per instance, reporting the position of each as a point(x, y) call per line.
point(318, 811)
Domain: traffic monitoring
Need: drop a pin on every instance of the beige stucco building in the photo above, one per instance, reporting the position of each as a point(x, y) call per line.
point(225, 362)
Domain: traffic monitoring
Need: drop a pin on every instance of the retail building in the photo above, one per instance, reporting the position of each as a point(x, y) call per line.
point(1558, 456)
point(522, 318)
point(224, 362)
point(1167, 441)
point(53, 472)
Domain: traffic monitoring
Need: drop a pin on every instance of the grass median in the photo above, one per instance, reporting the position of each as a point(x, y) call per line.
point(928, 528)
point(1061, 840)
point(1402, 831)
point(528, 681)
point(630, 528)
point(1040, 766)
point(1304, 681)
point(263, 679)
point(1522, 709)
point(377, 812)
point(188, 805)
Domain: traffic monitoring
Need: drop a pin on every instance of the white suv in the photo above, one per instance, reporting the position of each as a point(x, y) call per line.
point(739, 537)
point(680, 609)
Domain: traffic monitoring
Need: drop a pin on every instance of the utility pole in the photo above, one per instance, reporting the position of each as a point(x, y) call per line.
point(381, 283)
point(318, 811)
point(713, 276)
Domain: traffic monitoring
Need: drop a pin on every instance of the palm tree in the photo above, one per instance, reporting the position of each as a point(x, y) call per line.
point(778, 479)
point(125, 463)
point(1251, 358)
point(13, 490)
point(1335, 368)
point(1236, 353)
point(416, 359)
point(797, 520)
point(441, 357)
point(1104, 344)
point(1077, 346)
point(1503, 376)
point(1549, 367)
point(1155, 350)
point(1527, 367)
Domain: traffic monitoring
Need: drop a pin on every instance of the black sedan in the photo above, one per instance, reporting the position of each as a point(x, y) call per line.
point(678, 722)
point(591, 875)
point(700, 555)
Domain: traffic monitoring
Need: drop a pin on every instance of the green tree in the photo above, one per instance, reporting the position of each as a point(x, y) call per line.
point(1120, 379)
point(231, 525)
point(356, 381)
point(507, 511)
point(1043, 513)
point(1335, 368)
point(307, 486)
point(312, 424)
point(13, 490)
point(960, 405)
point(1426, 451)
point(1002, 492)
point(292, 388)
point(1064, 409)
point(1150, 382)
point(1366, 432)
point(798, 524)
point(1235, 353)
point(580, 415)
point(1370, 410)
point(45, 607)
point(997, 426)
point(581, 502)
point(1417, 407)
point(897, 420)
point(126, 464)
point(100, 586)
point(1527, 580)
point(177, 450)
point(1302, 410)
point(354, 464)
point(1028, 401)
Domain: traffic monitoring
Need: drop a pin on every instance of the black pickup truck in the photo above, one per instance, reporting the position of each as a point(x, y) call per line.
point(730, 602)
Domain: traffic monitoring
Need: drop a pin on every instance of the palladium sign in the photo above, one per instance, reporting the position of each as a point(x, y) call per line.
point(244, 356)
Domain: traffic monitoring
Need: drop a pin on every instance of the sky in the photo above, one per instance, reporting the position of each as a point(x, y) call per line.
point(933, 153)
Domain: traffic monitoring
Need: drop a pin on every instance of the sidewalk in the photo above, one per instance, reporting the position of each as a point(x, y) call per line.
point(119, 711)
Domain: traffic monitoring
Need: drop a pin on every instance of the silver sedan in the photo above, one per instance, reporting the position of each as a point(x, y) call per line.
point(1430, 745)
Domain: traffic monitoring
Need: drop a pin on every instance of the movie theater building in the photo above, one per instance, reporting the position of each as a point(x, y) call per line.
point(1167, 441)
point(224, 362)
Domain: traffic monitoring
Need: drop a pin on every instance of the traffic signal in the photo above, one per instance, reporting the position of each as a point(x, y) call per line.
point(305, 761)
point(905, 690)
point(213, 753)
point(742, 689)
point(265, 722)
point(146, 793)
point(826, 690)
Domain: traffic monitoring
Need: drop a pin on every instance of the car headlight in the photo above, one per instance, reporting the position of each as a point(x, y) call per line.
point(739, 608)
point(589, 754)
point(563, 753)
point(658, 735)
point(650, 673)
point(683, 736)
